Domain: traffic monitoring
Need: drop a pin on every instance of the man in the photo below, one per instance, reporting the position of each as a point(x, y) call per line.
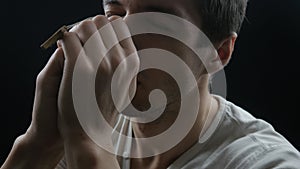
point(222, 136)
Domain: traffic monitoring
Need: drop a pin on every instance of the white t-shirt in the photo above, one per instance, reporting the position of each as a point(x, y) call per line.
point(234, 140)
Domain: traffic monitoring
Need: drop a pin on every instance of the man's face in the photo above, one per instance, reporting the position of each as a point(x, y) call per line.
point(149, 80)
point(186, 9)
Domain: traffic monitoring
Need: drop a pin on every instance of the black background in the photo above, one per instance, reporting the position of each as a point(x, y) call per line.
point(263, 76)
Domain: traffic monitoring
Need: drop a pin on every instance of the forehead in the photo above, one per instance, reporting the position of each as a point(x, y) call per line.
point(143, 3)
point(137, 2)
point(186, 9)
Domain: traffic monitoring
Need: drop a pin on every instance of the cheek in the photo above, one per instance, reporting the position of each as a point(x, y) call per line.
point(156, 79)
point(145, 41)
point(152, 79)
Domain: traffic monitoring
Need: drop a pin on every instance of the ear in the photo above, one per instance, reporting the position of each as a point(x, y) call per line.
point(226, 47)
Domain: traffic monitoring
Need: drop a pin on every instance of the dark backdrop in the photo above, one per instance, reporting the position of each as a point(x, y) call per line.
point(263, 76)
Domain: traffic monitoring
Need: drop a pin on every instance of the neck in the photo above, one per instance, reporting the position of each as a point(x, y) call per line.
point(207, 109)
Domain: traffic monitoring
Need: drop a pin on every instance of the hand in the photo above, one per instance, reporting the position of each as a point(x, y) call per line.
point(41, 147)
point(77, 143)
point(43, 127)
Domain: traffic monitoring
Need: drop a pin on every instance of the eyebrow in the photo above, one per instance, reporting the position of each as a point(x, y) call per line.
point(152, 8)
point(111, 2)
point(148, 8)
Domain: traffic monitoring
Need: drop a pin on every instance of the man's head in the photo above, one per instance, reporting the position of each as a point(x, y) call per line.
point(220, 20)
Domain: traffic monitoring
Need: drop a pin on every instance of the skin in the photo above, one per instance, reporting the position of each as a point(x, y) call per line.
point(55, 130)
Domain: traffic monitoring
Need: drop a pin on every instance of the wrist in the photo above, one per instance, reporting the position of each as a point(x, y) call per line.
point(40, 153)
point(43, 139)
point(41, 146)
point(27, 153)
point(87, 154)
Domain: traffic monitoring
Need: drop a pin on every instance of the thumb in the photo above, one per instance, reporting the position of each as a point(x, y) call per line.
point(47, 88)
point(48, 80)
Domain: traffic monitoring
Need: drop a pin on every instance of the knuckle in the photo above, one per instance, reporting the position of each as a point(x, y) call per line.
point(41, 78)
point(74, 28)
point(99, 18)
point(69, 35)
point(86, 24)
point(117, 60)
point(128, 46)
point(104, 68)
point(115, 17)
point(100, 21)
point(117, 55)
point(136, 61)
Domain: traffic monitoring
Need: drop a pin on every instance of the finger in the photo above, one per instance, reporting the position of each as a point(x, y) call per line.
point(54, 67)
point(72, 47)
point(106, 31)
point(100, 21)
point(58, 44)
point(85, 30)
point(123, 34)
point(48, 80)
point(109, 40)
point(126, 46)
point(94, 46)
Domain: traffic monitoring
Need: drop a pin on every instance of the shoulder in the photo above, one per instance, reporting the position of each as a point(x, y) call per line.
point(252, 143)
point(274, 156)
point(241, 141)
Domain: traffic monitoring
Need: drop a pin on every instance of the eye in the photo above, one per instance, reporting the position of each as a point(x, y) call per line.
point(114, 10)
point(110, 14)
